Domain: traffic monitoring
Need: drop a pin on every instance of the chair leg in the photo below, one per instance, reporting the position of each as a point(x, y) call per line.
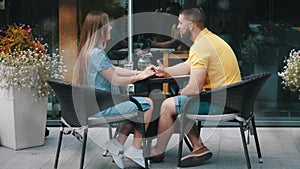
point(199, 127)
point(187, 142)
point(85, 133)
point(110, 136)
point(61, 132)
point(245, 145)
point(256, 141)
point(181, 136)
point(110, 132)
point(146, 150)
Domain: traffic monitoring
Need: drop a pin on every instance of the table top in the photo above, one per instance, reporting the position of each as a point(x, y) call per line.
point(173, 79)
point(151, 49)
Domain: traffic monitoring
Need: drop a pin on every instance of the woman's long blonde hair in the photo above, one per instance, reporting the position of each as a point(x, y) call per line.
point(93, 33)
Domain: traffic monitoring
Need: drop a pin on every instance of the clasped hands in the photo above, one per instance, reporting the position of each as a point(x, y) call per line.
point(158, 71)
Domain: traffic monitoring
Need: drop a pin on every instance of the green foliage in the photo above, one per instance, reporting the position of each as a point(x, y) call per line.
point(24, 61)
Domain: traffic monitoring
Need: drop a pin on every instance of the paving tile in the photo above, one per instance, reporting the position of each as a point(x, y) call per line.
point(280, 150)
point(296, 137)
point(5, 155)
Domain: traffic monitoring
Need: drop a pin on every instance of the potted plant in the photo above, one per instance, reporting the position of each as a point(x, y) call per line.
point(291, 72)
point(25, 64)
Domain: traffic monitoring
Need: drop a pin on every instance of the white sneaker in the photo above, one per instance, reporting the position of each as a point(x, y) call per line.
point(119, 160)
point(136, 155)
point(116, 150)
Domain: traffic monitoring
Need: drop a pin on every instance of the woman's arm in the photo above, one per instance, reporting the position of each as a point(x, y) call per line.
point(125, 72)
point(118, 80)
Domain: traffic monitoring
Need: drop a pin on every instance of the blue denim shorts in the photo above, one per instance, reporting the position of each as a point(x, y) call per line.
point(123, 108)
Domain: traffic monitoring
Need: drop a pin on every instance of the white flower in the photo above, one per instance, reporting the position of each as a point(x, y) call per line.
point(291, 74)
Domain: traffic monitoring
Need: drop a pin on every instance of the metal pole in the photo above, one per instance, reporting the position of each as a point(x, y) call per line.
point(130, 31)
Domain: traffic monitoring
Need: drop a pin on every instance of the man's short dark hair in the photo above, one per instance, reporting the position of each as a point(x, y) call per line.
point(195, 14)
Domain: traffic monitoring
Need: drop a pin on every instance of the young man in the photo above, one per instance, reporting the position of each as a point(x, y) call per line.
point(211, 64)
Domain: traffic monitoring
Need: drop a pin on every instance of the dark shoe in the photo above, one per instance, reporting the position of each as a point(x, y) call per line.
point(157, 158)
point(196, 158)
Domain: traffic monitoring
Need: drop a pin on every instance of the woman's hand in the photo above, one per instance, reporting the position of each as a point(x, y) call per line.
point(149, 71)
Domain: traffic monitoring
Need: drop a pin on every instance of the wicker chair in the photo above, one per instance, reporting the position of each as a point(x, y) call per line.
point(239, 98)
point(79, 102)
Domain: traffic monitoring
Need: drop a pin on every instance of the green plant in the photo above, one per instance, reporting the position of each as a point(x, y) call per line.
point(25, 61)
point(249, 49)
point(291, 71)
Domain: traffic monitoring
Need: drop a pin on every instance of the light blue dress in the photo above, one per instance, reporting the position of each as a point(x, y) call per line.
point(99, 61)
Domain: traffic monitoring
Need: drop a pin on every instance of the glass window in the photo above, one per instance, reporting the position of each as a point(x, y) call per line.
point(261, 33)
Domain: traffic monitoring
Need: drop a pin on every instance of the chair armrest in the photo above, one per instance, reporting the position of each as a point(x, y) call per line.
point(137, 103)
point(108, 99)
point(217, 97)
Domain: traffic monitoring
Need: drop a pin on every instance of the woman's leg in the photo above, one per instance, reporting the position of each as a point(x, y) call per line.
point(137, 141)
point(135, 152)
point(125, 130)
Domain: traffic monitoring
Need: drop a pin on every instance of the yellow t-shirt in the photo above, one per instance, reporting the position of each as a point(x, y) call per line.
point(213, 53)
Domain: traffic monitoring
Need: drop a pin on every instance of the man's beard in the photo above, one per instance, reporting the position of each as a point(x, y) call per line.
point(186, 37)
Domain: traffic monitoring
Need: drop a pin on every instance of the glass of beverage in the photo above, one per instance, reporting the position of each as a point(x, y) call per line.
point(130, 87)
point(128, 65)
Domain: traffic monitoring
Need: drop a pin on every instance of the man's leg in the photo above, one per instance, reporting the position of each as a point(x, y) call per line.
point(194, 137)
point(193, 133)
point(165, 126)
point(200, 152)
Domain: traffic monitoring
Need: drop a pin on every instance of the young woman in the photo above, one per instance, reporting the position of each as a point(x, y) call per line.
point(93, 68)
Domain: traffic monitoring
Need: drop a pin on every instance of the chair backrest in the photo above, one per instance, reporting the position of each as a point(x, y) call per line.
point(239, 96)
point(79, 102)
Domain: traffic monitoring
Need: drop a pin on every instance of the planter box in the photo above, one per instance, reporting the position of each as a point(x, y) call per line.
point(22, 122)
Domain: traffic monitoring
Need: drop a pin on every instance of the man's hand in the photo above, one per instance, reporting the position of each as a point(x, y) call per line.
point(160, 70)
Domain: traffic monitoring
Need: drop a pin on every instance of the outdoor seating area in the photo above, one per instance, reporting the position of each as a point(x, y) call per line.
point(152, 84)
point(280, 150)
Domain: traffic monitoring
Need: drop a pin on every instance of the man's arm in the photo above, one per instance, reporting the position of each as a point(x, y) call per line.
point(196, 82)
point(176, 70)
